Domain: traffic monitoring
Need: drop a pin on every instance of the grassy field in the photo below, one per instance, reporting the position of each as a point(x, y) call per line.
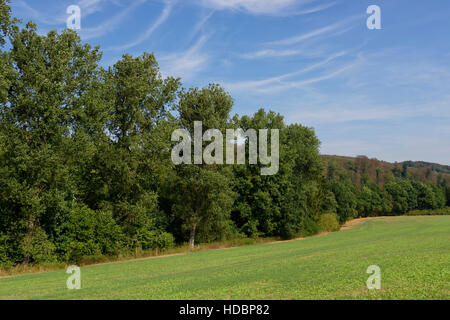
point(412, 252)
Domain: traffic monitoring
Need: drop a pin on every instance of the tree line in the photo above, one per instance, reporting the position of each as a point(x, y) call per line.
point(86, 169)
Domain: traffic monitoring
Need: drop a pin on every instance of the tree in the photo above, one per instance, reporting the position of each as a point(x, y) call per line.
point(6, 21)
point(203, 199)
point(447, 193)
point(51, 76)
point(204, 196)
point(405, 170)
point(439, 196)
point(131, 153)
point(345, 194)
point(426, 198)
point(290, 201)
point(302, 169)
point(7, 24)
point(398, 195)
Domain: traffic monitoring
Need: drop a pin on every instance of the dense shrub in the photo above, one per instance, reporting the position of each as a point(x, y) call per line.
point(432, 212)
point(5, 254)
point(88, 232)
point(309, 227)
point(152, 239)
point(37, 248)
point(76, 251)
point(329, 222)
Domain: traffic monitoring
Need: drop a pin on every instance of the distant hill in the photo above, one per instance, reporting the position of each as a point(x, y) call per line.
point(439, 168)
point(378, 171)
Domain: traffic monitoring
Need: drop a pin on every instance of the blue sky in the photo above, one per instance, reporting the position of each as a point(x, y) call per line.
point(381, 93)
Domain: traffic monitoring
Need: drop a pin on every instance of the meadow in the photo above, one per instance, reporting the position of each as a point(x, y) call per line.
point(413, 253)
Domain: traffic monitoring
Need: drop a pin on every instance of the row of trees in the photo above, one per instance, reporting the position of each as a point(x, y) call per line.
point(86, 169)
point(85, 166)
point(398, 196)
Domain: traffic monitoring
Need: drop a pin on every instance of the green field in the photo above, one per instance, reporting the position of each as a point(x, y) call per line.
point(412, 252)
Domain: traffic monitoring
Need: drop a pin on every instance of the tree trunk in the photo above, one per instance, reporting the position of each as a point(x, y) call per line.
point(192, 236)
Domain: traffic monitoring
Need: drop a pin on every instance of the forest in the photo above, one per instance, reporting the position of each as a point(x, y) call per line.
point(86, 170)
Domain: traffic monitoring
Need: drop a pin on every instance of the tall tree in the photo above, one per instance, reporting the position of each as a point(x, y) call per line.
point(50, 77)
point(132, 156)
point(204, 195)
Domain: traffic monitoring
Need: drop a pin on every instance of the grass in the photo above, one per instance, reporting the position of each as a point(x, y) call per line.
point(138, 254)
point(412, 252)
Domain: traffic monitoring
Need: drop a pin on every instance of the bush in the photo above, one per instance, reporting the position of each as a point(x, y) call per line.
point(77, 251)
point(5, 259)
point(309, 227)
point(429, 212)
point(35, 247)
point(152, 239)
point(87, 232)
point(329, 222)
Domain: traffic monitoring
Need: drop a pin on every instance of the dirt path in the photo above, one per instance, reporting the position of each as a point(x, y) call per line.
point(350, 224)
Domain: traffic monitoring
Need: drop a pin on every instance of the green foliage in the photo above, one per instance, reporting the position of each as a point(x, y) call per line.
point(5, 252)
point(398, 195)
point(152, 239)
point(86, 169)
point(329, 222)
point(6, 21)
point(309, 227)
point(433, 212)
point(204, 199)
point(426, 197)
point(87, 232)
point(439, 196)
point(447, 195)
point(329, 203)
point(345, 193)
point(36, 247)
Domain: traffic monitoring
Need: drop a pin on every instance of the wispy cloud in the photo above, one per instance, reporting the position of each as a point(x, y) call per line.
point(316, 8)
point(265, 7)
point(35, 15)
point(146, 35)
point(338, 26)
point(278, 83)
point(187, 63)
point(200, 24)
point(110, 24)
point(91, 6)
point(270, 53)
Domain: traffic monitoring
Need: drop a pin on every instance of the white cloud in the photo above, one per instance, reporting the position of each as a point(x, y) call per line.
point(269, 7)
point(200, 24)
point(340, 26)
point(268, 53)
point(146, 35)
point(110, 24)
point(278, 83)
point(91, 6)
point(185, 64)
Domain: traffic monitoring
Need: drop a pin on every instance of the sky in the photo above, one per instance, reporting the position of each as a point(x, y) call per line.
point(383, 93)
